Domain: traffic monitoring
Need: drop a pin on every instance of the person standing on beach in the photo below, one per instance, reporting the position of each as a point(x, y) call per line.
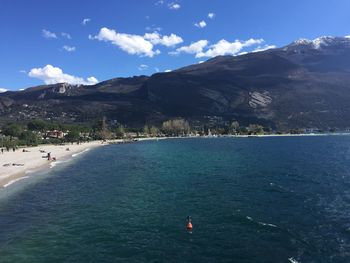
point(49, 156)
point(2, 150)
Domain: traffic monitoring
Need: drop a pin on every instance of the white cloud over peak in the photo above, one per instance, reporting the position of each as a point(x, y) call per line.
point(201, 48)
point(194, 48)
point(85, 21)
point(66, 35)
point(174, 6)
point(69, 48)
point(201, 24)
point(52, 75)
point(168, 41)
point(48, 34)
point(224, 47)
point(92, 80)
point(2, 90)
point(132, 44)
point(263, 48)
point(211, 15)
point(168, 70)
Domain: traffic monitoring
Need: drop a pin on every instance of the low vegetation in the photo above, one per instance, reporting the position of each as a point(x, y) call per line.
point(37, 132)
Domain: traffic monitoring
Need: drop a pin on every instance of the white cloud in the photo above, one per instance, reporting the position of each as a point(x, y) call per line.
point(132, 44)
point(156, 69)
point(142, 67)
point(2, 90)
point(211, 15)
point(66, 35)
point(174, 6)
point(168, 41)
point(160, 2)
point(224, 47)
point(23, 71)
point(200, 62)
point(201, 24)
point(52, 75)
point(194, 48)
point(69, 48)
point(92, 80)
point(263, 48)
point(153, 28)
point(168, 70)
point(48, 34)
point(85, 21)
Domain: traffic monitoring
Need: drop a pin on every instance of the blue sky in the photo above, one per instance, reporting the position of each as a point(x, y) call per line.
point(47, 41)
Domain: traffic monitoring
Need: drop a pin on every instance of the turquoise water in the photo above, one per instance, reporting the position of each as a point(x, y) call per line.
point(251, 200)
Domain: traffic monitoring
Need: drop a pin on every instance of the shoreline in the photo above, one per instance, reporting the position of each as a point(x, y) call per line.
point(17, 165)
point(33, 160)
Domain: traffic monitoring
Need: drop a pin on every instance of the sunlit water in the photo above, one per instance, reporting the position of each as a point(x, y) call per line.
point(251, 200)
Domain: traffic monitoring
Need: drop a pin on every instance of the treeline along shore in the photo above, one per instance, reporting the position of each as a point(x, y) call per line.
point(38, 132)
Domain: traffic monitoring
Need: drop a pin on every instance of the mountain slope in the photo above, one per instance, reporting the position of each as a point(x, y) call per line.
point(303, 85)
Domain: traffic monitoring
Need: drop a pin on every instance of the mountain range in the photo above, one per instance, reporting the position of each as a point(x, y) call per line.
point(305, 84)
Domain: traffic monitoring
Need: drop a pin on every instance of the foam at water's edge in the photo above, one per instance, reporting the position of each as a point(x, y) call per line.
point(15, 180)
point(53, 164)
point(76, 154)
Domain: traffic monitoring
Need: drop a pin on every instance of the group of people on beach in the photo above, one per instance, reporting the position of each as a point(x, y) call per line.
point(8, 149)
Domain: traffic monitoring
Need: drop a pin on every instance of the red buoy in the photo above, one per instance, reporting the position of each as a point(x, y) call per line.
point(189, 226)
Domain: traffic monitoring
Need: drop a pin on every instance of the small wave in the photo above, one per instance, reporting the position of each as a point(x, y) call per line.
point(267, 224)
point(15, 180)
point(76, 154)
point(292, 260)
point(261, 223)
point(53, 164)
point(280, 188)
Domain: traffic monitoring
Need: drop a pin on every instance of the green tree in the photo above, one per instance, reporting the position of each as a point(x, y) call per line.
point(120, 131)
point(255, 129)
point(146, 130)
point(38, 125)
point(234, 127)
point(28, 138)
point(176, 127)
point(153, 131)
point(12, 130)
point(73, 136)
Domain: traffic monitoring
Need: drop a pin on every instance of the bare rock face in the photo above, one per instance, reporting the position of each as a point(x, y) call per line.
point(259, 99)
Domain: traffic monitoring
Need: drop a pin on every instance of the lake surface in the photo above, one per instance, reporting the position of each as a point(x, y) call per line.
point(250, 199)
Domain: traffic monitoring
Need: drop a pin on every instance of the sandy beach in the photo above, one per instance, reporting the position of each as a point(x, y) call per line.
point(14, 165)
